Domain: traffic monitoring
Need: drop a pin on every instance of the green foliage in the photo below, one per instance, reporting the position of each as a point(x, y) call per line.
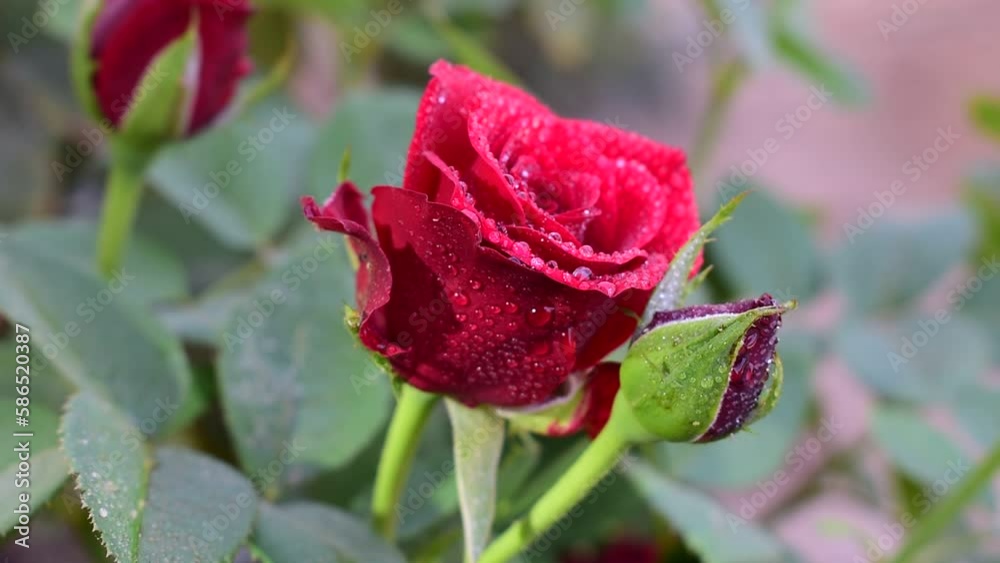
point(707, 529)
point(893, 263)
point(376, 127)
point(74, 316)
point(310, 532)
point(235, 180)
point(768, 247)
point(294, 382)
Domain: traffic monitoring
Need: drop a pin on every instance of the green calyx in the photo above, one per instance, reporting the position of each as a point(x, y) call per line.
point(157, 110)
point(675, 376)
point(555, 418)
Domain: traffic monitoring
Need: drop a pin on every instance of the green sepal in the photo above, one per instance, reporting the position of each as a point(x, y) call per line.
point(676, 285)
point(157, 111)
point(545, 420)
point(772, 392)
point(82, 65)
point(675, 376)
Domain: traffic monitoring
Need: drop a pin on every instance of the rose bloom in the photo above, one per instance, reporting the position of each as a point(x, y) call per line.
point(519, 250)
point(128, 35)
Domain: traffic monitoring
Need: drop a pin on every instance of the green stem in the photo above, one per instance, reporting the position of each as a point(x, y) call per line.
point(397, 456)
point(121, 202)
point(593, 464)
point(945, 512)
point(726, 82)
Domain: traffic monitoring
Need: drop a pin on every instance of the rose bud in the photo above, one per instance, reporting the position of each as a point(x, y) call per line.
point(700, 373)
point(519, 250)
point(161, 69)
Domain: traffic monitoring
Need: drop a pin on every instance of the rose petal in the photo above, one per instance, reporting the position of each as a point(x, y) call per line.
point(503, 334)
point(344, 212)
point(126, 41)
point(223, 44)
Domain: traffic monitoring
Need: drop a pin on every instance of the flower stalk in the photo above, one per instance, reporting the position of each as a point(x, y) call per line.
point(398, 451)
point(121, 204)
point(601, 456)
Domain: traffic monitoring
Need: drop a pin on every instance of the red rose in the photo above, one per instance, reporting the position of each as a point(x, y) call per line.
point(521, 247)
point(128, 35)
point(621, 551)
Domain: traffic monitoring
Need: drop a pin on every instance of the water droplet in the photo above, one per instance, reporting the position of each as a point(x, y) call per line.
point(539, 316)
point(442, 98)
point(493, 309)
point(583, 273)
point(586, 250)
point(459, 299)
point(555, 236)
point(552, 264)
point(521, 248)
point(541, 348)
point(103, 512)
point(607, 287)
point(750, 340)
point(476, 284)
point(537, 263)
point(510, 307)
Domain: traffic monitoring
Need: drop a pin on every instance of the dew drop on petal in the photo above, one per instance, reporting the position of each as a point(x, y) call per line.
point(583, 273)
point(606, 287)
point(539, 316)
point(586, 250)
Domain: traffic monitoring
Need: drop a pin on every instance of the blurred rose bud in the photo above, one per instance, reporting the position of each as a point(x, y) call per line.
point(700, 373)
point(161, 69)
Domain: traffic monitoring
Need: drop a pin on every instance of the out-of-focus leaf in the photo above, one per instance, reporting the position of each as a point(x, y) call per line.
point(75, 242)
point(918, 449)
point(704, 526)
point(300, 532)
point(75, 317)
point(750, 28)
point(985, 112)
point(48, 465)
point(236, 179)
point(817, 67)
point(340, 12)
point(26, 173)
point(978, 410)
point(295, 383)
point(376, 127)
point(767, 247)
point(920, 360)
point(416, 40)
point(171, 504)
point(982, 196)
point(473, 54)
point(478, 440)
point(756, 453)
point(893, 263)
point(197, 508)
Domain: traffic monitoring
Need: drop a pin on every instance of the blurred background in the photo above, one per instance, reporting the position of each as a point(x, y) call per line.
point(868, 130)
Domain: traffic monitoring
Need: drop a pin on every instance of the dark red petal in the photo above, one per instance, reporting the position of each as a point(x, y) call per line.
point(623, 550)
point(749, 374)
point(126, 41)
point(601, 392)
point(223, 61)
point(344, 213)
point(472, 323)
